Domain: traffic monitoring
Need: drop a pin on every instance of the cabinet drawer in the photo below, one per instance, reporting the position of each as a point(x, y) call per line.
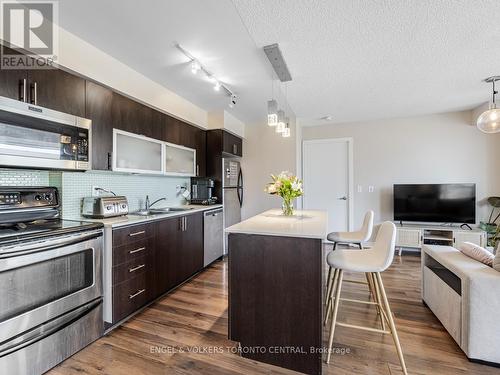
point(132, 250)
point(133, 233)
point(129, 296)
point(131, 269)
point(444, 302)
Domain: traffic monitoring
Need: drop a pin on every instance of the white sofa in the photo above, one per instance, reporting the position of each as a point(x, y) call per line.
point(464, 294)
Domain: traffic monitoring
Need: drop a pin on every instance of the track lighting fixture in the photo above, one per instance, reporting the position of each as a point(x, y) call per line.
point(196, 67)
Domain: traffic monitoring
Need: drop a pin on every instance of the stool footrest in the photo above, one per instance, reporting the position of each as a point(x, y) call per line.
point(356, 282)
point(363, 328)
point(358, 301)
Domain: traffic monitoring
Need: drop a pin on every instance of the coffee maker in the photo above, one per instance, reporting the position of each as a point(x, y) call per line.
point(201, 191)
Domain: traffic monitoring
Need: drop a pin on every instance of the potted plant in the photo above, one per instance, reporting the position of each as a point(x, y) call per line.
point(288, 187)
point(491, 227)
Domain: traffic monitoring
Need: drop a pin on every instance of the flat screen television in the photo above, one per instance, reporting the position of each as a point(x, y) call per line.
point(435, 203)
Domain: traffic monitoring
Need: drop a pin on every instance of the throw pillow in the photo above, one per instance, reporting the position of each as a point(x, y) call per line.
point(478, 253)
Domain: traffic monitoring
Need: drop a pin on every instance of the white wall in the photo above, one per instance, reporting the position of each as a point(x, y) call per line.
point(437, 148)
point(264, 153)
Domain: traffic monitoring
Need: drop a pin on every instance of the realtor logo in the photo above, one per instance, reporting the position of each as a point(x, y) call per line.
point(29, 27)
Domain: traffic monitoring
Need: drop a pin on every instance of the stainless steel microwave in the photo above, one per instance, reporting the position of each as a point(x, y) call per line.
point(36, 137)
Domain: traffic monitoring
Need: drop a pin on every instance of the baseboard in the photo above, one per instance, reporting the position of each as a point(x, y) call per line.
point(481, 362)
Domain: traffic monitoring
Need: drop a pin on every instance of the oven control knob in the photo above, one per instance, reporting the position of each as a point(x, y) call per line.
point(124, 206)
point(109, 207)
point(48, 197)
point(38, 197)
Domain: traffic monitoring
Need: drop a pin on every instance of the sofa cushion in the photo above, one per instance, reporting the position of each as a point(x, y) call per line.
point(477, 252)
point(496, 261)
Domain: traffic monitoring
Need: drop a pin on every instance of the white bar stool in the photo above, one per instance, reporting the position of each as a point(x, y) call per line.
point(358, 237)
point(371, 262)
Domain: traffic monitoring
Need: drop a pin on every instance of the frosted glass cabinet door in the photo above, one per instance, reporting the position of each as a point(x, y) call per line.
point(180, 160)
point(136, 153)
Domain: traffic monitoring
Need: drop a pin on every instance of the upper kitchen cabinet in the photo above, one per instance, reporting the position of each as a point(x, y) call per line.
point(49, 88)
point(220, 142)
point(58, 90)
point(136, 153)
point(180, 160)
point(135, 117)
point(14, 82)
point(98, 109)
point(178, 132)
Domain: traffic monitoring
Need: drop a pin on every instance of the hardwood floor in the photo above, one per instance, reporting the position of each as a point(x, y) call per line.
point(170, 336)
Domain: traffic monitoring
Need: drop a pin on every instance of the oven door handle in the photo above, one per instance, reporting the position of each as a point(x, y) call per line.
point(27, 248)
point(40, 332)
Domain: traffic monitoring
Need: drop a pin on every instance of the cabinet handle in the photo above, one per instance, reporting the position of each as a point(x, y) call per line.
point(109, 161)
point(185, 223)
point(34, 94)
point(197, 170)
point(137, 250)
point(136, 233)
point(235, 149)
point(132, 296)
point(22, 95)
point(133, 269)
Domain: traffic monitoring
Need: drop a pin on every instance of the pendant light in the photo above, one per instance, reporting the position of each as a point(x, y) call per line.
point(489, 121)
point(281, 122)
point(286, 131)
point(272, 113)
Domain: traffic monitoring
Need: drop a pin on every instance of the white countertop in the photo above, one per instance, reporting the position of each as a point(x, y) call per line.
point(120, 221)
point(304, 224)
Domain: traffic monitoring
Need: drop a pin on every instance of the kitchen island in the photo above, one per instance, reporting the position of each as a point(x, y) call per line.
point(275, 288)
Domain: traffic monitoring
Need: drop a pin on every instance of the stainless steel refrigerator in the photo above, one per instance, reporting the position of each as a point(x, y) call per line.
point(232, 193)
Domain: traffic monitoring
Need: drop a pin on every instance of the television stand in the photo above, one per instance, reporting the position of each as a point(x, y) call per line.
point(413, 236)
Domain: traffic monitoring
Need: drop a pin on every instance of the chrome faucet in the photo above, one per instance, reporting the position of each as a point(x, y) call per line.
point(149, 205)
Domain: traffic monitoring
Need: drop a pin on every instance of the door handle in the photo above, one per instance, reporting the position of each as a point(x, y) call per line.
point(34, 94)
point(22, 94)
point(344, 198)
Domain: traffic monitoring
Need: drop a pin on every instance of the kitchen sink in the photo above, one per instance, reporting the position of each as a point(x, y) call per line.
point(160, 211)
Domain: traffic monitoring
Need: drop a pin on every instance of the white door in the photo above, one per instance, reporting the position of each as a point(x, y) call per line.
point(326, 174)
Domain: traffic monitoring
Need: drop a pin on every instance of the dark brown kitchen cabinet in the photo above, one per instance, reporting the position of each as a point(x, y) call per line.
point(180, 249)
point(231, 144)
point(135, 117)
point(190, 247)
point(222, 143)
point(14, 82)
point(98, 109)
point(134, 279)
point(58, 90)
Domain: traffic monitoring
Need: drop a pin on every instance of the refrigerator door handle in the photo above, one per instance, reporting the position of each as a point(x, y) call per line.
point(240, 187)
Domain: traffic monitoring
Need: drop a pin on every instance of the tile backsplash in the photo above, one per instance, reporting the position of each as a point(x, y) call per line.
point(74, 186)
point(14, 177)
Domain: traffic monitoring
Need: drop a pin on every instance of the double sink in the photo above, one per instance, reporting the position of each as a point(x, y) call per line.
point(160, 211)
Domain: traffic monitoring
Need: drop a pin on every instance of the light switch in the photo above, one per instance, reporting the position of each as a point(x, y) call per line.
point(371, 189)
point(360, 189)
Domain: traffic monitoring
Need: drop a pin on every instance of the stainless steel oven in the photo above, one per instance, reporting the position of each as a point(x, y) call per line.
point(50, 289)
point(37, 137)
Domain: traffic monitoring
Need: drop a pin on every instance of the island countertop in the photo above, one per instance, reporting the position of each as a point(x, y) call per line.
point(303, 224)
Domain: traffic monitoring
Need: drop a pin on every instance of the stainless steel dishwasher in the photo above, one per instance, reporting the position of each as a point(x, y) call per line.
point(213, 235)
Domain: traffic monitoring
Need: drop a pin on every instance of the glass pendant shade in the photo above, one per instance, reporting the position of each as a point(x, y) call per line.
point(286, 131)
point(489, 121)
point(272, 113)
point(281, 122)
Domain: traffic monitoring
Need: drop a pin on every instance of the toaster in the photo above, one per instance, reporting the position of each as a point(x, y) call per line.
point(104, 207)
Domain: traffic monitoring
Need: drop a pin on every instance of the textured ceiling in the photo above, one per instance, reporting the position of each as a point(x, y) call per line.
point(353, 60)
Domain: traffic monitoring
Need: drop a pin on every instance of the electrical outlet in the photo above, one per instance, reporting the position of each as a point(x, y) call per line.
point(371, 189)
point(360, 189)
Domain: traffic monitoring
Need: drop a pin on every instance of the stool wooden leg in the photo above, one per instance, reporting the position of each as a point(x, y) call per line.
point(336, 290)
point(392, 326)
point(378, 299)
point(329, 283)
point(329, 302)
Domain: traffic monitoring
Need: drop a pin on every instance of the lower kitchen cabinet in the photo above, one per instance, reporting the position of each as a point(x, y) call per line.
point(150, 259)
